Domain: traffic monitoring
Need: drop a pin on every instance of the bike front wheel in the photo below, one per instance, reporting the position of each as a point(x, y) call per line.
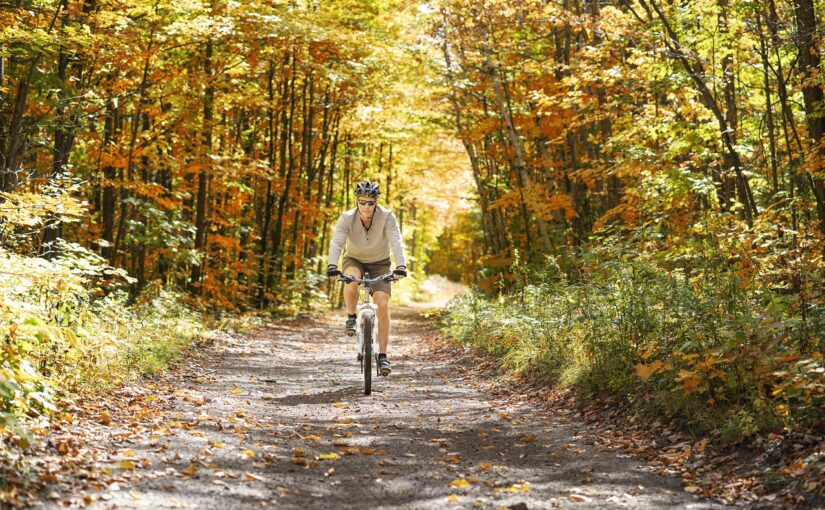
point(367, 353)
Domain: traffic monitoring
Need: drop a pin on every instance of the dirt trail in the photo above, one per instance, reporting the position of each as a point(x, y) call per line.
point(240, 428)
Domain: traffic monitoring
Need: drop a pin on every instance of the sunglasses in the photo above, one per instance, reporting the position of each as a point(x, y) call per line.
point(368, 203)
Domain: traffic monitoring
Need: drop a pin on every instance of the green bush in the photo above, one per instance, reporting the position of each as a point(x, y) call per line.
point(707, 349)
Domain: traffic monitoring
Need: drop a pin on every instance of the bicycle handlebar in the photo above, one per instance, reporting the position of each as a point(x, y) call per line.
point(346, 278)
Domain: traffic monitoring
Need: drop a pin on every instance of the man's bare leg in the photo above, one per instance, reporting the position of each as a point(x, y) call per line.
point(351, 291)
point(382, 299)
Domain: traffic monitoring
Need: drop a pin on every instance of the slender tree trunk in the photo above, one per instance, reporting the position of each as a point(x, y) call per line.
point(267, 217)
point(773, 160)
point(108, 202)
point(198, 268)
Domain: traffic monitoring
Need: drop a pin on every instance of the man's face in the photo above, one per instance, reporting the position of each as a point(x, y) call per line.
point(366, 206)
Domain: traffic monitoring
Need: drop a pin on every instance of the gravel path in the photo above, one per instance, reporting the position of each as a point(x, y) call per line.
point(278, 419)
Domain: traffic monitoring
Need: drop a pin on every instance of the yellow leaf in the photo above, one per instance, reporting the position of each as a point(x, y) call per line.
point(191, 470)
point(452, 498)
point(127, 464)
point(339, 404)
point(128, 453)
point(519, 487)
point(312, 438)
point(329, 456)
point(236, 392)
point(460, 484)
point(247, 453)
point(528, 438)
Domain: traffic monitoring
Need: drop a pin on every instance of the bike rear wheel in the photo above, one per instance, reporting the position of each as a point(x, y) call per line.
point(367, 354)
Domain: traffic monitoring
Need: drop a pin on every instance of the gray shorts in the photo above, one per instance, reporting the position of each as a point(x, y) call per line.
point(379, 268)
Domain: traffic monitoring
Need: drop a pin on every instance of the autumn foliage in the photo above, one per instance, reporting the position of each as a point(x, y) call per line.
point(650, 199)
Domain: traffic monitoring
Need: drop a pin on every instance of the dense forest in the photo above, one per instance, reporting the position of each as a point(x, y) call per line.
point(634, 189)
point(649, 181)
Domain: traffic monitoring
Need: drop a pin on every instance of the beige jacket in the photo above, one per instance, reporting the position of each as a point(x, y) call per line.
point(364, 245)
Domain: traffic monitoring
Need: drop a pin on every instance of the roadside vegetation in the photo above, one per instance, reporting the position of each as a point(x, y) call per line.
point(719, 351)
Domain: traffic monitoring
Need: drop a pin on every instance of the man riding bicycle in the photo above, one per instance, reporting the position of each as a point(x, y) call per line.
point(369, 232)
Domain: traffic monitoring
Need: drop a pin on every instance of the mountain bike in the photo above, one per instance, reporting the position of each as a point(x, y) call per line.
point(366, 325)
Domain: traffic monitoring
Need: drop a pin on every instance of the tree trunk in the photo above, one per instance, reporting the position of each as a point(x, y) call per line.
point(809, 68)
point(203, 175)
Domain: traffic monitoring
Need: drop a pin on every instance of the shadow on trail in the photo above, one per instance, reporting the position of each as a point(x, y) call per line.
point(426, 438)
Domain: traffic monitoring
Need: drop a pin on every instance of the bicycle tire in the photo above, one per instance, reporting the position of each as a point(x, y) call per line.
point(367, 351)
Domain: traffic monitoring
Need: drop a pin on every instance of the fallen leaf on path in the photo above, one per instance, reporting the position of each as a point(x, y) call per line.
point(247, 453)
point(519, 487)
point(299, 452)
point(312, 438)
point(329, 456)
point(578, 498)
point(452, 458)
point(339, 404)
point(452, 498)
point(252, 478)
point(191, 470)
point(299, 461)
point(485, 466)
point(460, 484)
point(127, 464)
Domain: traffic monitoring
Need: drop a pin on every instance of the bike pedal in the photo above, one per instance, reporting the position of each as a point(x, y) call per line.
point(360, 356)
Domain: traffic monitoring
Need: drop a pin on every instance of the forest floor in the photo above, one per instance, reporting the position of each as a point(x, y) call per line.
point(278, 418)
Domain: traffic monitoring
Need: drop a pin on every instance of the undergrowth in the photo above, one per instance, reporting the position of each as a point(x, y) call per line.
point(712, 349)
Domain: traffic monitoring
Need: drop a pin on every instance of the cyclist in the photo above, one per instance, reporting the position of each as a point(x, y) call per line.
point(369, 232)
